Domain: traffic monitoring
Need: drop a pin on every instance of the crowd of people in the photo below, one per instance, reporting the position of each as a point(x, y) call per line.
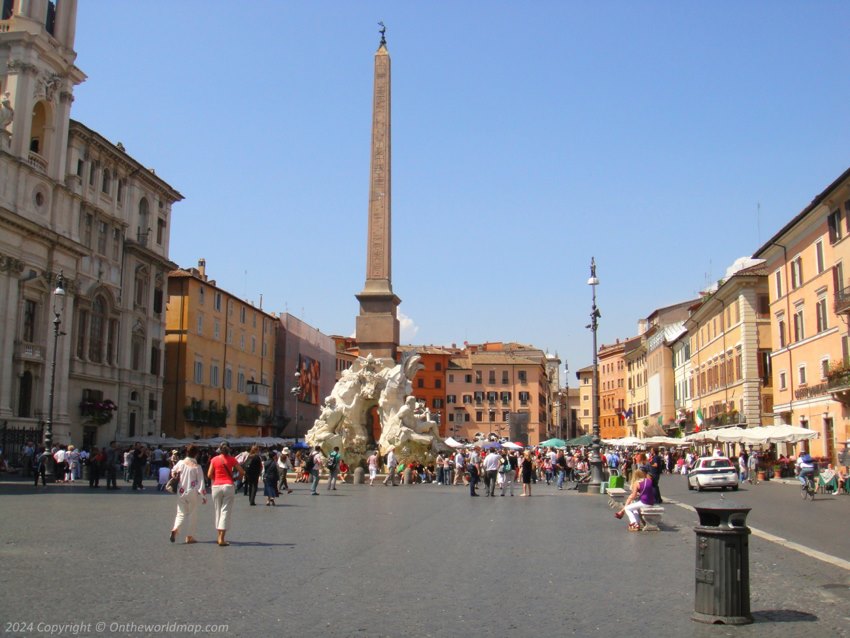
point(198, 472)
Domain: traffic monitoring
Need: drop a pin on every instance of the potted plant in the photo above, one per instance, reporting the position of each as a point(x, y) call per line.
point(777, 471)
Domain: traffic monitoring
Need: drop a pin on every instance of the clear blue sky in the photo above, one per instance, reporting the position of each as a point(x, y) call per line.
point(527, 137)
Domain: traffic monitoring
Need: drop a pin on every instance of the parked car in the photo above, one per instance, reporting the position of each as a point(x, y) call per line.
point(713, 471)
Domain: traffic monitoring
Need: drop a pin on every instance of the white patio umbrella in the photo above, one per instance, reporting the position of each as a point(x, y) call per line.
point(664, 440)
point(626, 441)
point(778, 434)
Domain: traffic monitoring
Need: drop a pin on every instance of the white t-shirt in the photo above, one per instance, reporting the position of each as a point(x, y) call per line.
point(492, 462)
point(164, 475)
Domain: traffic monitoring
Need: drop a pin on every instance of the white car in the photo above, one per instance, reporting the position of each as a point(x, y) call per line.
point(713, 471)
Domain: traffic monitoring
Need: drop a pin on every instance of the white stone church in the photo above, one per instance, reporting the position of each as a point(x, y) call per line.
point(76, 203)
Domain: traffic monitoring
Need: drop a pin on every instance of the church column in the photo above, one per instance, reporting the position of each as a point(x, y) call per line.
point(10, 270)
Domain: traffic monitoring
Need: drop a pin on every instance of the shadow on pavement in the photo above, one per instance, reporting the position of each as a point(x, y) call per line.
point(783, 615)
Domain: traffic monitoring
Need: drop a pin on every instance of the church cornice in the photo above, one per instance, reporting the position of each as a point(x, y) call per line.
point(40, 233)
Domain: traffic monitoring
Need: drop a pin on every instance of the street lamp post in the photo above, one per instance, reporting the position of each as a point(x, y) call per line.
point(58, 309)
point(569, 433)
point(295, 391)
point(596, 477)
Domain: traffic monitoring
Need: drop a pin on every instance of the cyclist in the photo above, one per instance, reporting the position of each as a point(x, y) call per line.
point(805, 468)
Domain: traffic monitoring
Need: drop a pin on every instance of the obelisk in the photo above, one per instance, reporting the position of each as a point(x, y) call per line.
point(377, 329)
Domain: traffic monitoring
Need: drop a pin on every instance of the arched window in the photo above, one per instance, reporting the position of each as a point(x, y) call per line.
point(98, 325)
point(39, 121)
point(144, 221)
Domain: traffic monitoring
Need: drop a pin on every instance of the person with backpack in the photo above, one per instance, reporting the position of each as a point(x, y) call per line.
point(253, 467)
point(271, 476)
point(333, 468)
point(314, 466)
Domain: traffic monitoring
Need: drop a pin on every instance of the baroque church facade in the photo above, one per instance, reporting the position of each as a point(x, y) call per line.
point(75, 203)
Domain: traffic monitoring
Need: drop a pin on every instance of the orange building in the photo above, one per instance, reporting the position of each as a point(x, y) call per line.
point(219, 360)
point(501, 390)
point(429, 384)
point(809, 308)
point(612, 393)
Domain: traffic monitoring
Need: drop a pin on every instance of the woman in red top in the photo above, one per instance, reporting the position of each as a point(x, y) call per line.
point(220, 473)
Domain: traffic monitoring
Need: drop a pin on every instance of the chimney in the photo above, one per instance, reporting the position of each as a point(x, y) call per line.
point(202, 268)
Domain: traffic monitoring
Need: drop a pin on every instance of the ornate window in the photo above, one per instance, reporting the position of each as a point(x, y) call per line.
point(144, 222)
point(97, 329)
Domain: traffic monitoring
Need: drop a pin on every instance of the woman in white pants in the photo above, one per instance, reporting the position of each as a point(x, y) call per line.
point(220, 473)
point(191, 491)
point(642, 495)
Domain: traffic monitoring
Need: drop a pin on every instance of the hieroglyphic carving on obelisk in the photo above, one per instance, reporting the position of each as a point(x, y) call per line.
point(377, 324)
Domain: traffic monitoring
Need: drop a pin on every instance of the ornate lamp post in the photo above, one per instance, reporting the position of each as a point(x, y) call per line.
point(295, 391)
point(595, 460)
point(568, 434)
point(58, 309)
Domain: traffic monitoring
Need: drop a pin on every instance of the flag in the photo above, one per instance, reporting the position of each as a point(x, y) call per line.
point(699, 417)
point(628, 414)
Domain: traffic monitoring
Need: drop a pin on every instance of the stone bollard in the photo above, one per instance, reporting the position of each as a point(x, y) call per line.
point(407, 477)
point(358, 476)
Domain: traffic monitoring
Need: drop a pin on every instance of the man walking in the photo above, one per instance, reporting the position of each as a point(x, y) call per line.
point(392, 462)
point(491, 471)
point(459, 468)
point(561, 468)
point(656, 464)
point(333, 468)
point(318, 460)
point(112, 462)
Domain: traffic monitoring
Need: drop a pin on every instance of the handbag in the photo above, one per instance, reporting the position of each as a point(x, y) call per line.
point(171, 485)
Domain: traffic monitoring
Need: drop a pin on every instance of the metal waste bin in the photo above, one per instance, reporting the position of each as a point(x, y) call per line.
point(722, 564)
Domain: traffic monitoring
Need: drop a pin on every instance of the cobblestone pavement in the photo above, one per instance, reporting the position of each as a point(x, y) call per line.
point(381, 561)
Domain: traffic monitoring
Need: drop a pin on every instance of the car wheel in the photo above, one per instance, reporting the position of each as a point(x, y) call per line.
point(690, 487)
point(699, 487)
point(734, 488)
point(723, 488)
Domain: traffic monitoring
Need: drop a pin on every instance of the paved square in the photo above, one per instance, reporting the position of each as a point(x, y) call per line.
point(380, 561)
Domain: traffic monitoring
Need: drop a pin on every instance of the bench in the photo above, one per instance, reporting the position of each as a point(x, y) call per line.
point(651, 518)
point(616, 496)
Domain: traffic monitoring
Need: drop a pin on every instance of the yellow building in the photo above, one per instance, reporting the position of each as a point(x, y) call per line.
point(809, 308)
point(219, 360)
point(584, 409)
point(730, 344)
point(634, 357)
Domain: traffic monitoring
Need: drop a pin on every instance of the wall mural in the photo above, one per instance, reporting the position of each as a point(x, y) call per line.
point(311, 372)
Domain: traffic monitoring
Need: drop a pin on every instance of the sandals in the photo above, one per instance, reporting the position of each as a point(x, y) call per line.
point(619, 514)
point(633, 527)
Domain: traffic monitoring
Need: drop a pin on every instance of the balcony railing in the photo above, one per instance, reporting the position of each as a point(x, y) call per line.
point(37, 162)
point(258, 393)
point(838, 382)
point(842, 301)
point(29, 351)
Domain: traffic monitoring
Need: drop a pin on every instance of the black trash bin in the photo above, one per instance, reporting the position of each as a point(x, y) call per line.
point(722, 564)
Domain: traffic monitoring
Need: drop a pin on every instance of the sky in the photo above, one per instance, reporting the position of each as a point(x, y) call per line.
point(664, 139)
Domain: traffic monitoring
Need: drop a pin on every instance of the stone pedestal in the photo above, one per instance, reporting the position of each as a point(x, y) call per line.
point(358, 476)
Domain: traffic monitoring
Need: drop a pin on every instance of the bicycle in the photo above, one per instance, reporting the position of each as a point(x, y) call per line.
point(808, 490)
